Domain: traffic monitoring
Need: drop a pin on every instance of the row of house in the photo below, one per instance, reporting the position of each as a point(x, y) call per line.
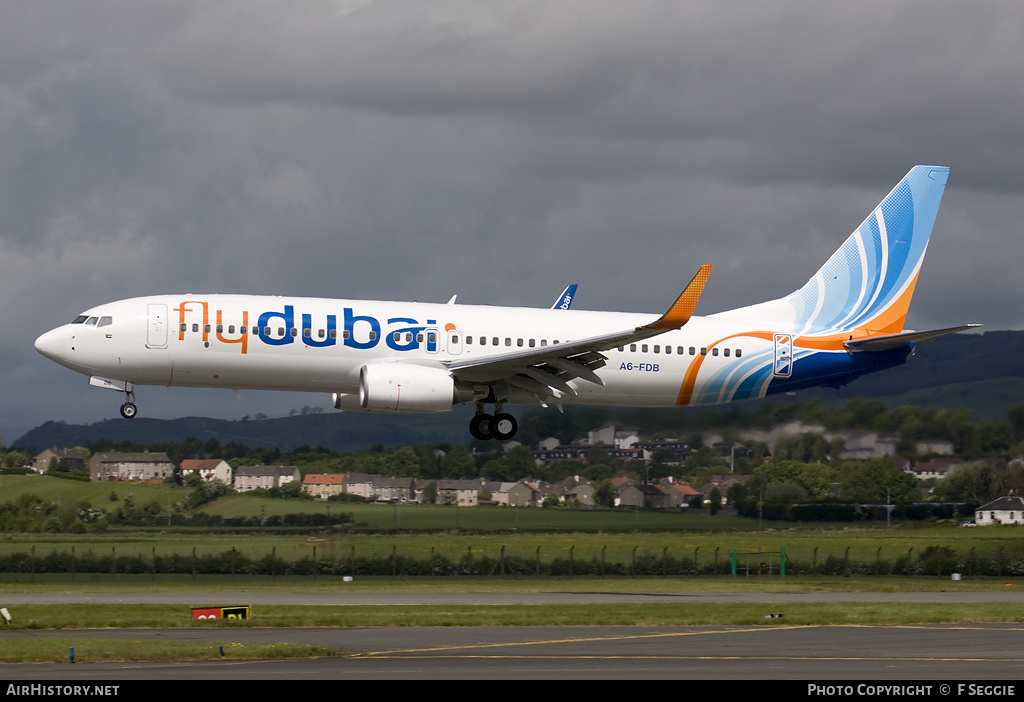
point(665, 494)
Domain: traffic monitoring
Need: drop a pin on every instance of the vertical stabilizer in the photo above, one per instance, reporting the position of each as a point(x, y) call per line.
point(866, 286)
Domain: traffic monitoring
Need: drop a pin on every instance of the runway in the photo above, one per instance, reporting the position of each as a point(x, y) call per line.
point(776, 652)
point(773, 650)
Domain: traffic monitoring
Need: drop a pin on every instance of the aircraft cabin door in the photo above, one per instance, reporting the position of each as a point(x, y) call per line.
point(432, 338)
point(156, 327)
point(783, 355)
point(455, 342)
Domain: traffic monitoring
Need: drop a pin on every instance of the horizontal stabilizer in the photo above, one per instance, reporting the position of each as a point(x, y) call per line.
point(895, 341)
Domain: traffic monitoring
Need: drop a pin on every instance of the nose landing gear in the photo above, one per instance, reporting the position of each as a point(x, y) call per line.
point(128, 409)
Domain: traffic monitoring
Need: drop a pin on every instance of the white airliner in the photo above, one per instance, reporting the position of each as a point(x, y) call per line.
point(408, 357)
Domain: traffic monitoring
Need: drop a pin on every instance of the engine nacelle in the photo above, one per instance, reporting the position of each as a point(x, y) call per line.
point(402, 388)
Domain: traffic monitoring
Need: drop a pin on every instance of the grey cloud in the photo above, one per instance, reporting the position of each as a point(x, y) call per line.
point(496, 150)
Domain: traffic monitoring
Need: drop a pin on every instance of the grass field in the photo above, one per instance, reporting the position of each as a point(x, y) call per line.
point(864, 544)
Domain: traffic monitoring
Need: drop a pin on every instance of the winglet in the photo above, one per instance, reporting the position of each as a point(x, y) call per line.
point(682, 309)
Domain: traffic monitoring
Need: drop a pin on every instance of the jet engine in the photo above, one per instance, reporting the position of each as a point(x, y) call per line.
point(401, 388)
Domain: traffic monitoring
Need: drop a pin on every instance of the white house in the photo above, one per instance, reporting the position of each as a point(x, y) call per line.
point(1005, 510)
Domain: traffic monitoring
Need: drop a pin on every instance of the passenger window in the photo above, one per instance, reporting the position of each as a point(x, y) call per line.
point(544, 342)
point(469, 340)
point(679, 350)
point(373, 336)
point(280, 331)
point(508, 341)
point(195, 328)
point(455, 338)
point(334, 333)
point(346, 334)
point(494, 341)
point(632, 348)
point(668, 349)
point(703, 351)
point(533, 343)
point(397, 336)
point(738, 353)
point(714, 351)
point(183, 327)
point(657, 348)
point(519, 342)
point(220, 328)
point(643, 348)
point(231, 329)
point(307, 333)
point(321, 333)
point(725, 352)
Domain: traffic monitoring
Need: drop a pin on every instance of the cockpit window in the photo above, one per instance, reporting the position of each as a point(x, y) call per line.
point(80, 319)
point(91, 322)
point(105, 322)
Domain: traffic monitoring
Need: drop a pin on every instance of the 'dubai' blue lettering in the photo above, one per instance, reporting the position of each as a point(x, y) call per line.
point(394, 337)
point(289, 321)
point(307, 331)
point(373, 334)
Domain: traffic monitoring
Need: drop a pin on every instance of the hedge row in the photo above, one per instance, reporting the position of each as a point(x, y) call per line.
point(932, 561)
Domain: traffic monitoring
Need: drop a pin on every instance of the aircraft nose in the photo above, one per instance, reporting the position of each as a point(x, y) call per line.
point(52, 344)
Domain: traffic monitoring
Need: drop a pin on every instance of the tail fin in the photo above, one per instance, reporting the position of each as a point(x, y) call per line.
point(867, 284)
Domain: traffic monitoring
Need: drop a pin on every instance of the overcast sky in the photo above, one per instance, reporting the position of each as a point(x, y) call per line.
point(494, 149)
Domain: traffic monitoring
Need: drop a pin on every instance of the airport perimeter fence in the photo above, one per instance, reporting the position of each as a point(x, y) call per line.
point(932, 561)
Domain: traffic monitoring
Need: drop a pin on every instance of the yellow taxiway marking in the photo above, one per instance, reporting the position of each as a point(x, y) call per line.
point(410, 653)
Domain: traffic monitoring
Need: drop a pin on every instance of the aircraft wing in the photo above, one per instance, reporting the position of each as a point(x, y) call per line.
point(546, 370)
point(895, 341)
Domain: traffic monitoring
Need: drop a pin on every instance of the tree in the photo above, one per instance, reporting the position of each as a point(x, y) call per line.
point(430, 493)
point(458, 463)
point(716, 501)
point(521, 463)
point(604, 493)
point(876, 481)
point(404, 463)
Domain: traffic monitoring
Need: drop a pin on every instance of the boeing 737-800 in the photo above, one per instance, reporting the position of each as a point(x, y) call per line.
point(408, 357)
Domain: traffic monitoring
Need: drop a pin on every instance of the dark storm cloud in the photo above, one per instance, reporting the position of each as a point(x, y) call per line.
point(496, 150)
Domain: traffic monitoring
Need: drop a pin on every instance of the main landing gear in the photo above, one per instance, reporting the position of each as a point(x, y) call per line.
point(500, 426)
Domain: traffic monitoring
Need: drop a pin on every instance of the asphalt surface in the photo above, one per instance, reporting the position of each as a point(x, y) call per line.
point(772, 651)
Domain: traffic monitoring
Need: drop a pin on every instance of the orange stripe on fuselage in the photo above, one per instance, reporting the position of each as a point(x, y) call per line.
point(690, 379)
point(890, 321)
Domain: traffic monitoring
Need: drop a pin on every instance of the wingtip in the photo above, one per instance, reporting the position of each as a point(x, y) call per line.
point(682, 309)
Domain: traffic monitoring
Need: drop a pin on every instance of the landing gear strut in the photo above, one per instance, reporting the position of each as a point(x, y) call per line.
point(128, 409)
point(500, 426)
